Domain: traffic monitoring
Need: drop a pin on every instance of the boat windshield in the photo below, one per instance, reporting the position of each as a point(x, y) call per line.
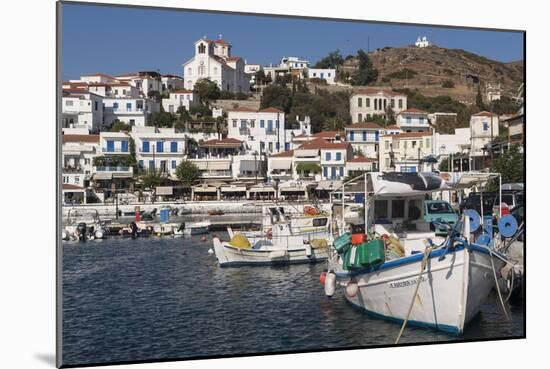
point(439, 208)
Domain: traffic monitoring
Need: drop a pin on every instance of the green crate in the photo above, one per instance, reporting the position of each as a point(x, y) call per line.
point(355, 257)
point(346, 257)
point(342, 243)
point(372, 253)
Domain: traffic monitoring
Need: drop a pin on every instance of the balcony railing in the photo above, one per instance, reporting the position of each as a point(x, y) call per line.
point(114, 169)
point(114, 150)
point(70, 169)
point(216, 174)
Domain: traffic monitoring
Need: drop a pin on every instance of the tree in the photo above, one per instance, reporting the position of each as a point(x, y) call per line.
point(187, 172)
point(207, 90)
point(162, 119)
point(332, 60)
point(444, 165)
point(510, 165)
point(479, 100)
point(260, 77)
point(118, 126)
point(366, 73)
point(151, 179)
point(200, 111)
point(278, 97)
point(155, 95)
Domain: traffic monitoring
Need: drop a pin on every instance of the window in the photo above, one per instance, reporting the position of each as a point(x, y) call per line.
point(145, 146)
point(421, 120)
point(115, 106)
point(359, 102)
point(320, 222)
point(76, 179)
point(333, 172)
point(160, 146)
point(367, 102)
point(277, 124)
point(262, 124)
point(338, 156)
point(325, 172)
point(328, 74)
point(359, 118)
point(139, 105)
point(173, 146)
point(243, 123)
point(262, 146)
point(174, 164)
point(420, 144)
point(485, 126)
point(351, 136)
point(380, 209)
point(234, 123)
point(124, 146)
point(69, 103)
point(364, 135)
point(95, 105)
point(413, 144)
point(287, 146)
point(140, 164)
point(400, 103)
point(252, 123)
point(392, 103)
point(270, 146)
point(328, 156)
point(408, 119)
point(202, 49)
point(398, 208)
point(376, 136)
point(341, 172)
point(277, 146)
point(151, 164)
point(128, 106)
point(110, 146)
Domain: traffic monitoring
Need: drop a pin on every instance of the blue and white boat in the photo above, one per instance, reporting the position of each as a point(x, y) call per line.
point(437, 282)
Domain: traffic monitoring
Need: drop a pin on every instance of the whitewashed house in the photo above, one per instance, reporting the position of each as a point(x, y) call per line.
point(364, 137)
point(80, 108)
point(483, 126)
point(159, 148)
point(213, 61)
point(263, 131)
point(413, 120)
point(365, 103)
point(171, 82)
point(402, 152)
point(327, 74)
point(132, 111)
point(422, 42)
point(77, 153)
point(143, 81)
point(177, 98)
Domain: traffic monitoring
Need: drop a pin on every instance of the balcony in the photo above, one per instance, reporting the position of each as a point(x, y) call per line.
point(244, 131)
point(117, 169)
point(216, 174)
point(114, 150)
point(70, 169)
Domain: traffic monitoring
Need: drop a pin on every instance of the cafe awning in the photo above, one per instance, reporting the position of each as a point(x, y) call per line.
point(281, 164)
point(103, 176)
point(165, 190)
point(205, 189)
point(233, 189)
point(218, 165)
point(262, 189)
point(328, 185)
point(250, 165)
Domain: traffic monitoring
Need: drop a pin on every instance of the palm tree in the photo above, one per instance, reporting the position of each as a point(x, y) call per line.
point(151, 179)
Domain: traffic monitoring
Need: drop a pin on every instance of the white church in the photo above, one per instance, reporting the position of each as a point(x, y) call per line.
point(422, 42)
point(213, 60)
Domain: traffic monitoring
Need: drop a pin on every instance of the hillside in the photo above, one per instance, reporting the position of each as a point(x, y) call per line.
point(439, 71)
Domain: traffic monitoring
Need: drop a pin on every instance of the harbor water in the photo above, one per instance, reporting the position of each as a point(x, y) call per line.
point(166, 298)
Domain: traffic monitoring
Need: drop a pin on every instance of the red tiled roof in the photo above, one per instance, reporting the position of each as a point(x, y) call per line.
point(67, 186)
point(226, 142)
point(371, 125)
point(413, 111)
point(271, 110)
point(328, 134)
point(81, 138)
point(412, 134)
point(221, 42)
point(321, 143)
point(234, 58)
point(393, 126)
point(484, 114)
point(362, 159)
point(372, 91)
point(283, 154)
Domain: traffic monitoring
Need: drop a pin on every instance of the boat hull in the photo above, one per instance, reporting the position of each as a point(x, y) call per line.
point(450, 294)
point(228, 255)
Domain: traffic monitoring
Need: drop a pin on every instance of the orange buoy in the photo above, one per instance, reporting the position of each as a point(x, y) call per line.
point(322, 278)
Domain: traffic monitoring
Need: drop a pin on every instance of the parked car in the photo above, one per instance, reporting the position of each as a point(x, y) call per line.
point(439, 210)
point(473, 201)
point(510, 198)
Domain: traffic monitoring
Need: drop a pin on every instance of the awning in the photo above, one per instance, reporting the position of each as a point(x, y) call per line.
point(250, 165)
point(122, 175)
point(293, 189)
point(202, 165)
point(306, 153)
point(281, 164)
point(103, 176)
point(205, 189)
point(219, 165)
point(165, 190)
point(233, 189)
point(262, 189)
point(328, 185)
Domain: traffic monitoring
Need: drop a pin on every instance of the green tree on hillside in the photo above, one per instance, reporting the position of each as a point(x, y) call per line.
point(366, 73)
point(207, 90)
point(333, 60)
point(118, 126)
point(276, 96)
point(187, 172)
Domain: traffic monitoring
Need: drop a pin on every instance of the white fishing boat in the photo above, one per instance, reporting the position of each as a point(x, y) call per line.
point(83, 225)
point(192, 228)
point(432, 281)
point(284, 239)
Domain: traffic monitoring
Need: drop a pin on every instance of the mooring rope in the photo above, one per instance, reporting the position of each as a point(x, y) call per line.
point(427, 252)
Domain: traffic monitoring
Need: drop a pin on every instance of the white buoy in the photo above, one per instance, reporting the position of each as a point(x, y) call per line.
point(98, 234)
point(330, 284)
point(351, 289)
point(65, 235)
point(210, 251)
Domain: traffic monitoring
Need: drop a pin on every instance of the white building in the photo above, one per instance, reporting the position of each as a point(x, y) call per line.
point(364, 137)
point(413, 120)
point(251, 70)
point(77, 153)
point(483, 126)
point(177, 98)
point(213, 60)
point(402, 152)
point(294, 62)
point(144, 82)
point(446, 144)
point(80, 108)
point(327, 74)
point(159, 148)
point(262, 131)
point(172, 82)
point(103, 85)
point(132, 111)
point(367, 102)
point(422, 42)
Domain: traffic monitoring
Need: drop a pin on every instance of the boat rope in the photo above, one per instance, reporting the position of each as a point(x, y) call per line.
point(423, 264)
point(496, 282)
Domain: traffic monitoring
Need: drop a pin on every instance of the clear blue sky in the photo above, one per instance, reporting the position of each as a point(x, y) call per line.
point(116, 40)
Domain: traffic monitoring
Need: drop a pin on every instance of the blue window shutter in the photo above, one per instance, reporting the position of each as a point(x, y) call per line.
point(141, 164)
point(333, 172)
point(110, 146)
point(174, 146)
point(287, 146)
point(277, 146)
point(151, 164)
point(325, 172)
point(341, 171)
point(351, 135)
point(173, 164)
point(124, 146)
point(262, 124)
point(160, 146)
point(145, 146)
point(338, 156)
point(328, 156)
point(128, 106)
point(376, 136)
point(364, 135)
